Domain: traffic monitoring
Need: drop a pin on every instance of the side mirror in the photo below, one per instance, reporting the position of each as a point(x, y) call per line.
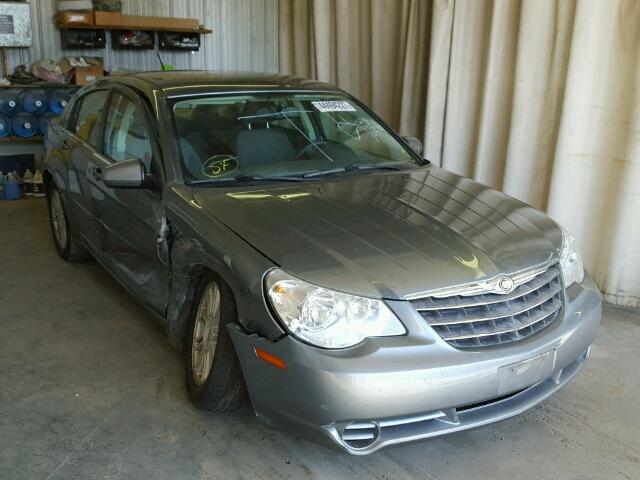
point(415, 145)
point(125, 174)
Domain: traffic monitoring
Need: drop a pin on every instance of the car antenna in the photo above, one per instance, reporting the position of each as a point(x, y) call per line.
point(160, 59)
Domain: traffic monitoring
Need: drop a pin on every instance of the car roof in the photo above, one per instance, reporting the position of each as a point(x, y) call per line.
point(184, 83)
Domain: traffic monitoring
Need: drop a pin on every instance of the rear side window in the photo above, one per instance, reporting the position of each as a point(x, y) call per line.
point(89, 119)
point(66, 116)
point(126, 134)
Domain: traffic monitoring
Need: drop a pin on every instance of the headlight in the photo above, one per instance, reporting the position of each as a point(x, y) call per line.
point(570, 260)
point(326, 318)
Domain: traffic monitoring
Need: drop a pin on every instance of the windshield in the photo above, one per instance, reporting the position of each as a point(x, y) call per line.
point(281, 136)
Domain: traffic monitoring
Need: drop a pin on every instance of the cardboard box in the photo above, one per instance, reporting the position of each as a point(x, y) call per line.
point(84, 19)
point(85, 75)
point(116, 19)
point(107, 18)
point(82, 75)
point(77, 5)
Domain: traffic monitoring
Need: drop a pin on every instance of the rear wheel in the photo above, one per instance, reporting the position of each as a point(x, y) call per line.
point(68, 247)
point(214, 377)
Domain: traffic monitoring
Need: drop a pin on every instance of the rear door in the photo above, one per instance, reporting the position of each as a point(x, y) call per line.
point(83, 147)
point(132, 219)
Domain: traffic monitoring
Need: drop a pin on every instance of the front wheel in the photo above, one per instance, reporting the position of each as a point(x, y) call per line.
point(67, 245)
point(214, 377)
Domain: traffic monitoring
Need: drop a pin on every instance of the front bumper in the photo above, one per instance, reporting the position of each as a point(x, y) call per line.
point(400, 389)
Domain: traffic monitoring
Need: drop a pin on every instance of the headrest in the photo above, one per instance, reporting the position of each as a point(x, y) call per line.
point(263, 115)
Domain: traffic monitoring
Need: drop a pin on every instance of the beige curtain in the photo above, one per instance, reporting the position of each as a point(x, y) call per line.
point(377, 50)
point(538, 98)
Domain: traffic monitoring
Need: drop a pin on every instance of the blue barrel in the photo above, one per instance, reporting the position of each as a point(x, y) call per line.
point(24, 125)
point(58, 100)
point(43, 122)
point(5, 126)
point(34, 101)
point(9, 103)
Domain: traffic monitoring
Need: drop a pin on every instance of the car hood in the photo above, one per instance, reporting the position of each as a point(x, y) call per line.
point(387, 235)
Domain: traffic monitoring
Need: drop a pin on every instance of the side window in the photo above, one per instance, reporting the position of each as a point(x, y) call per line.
point(88, 121)
point(66, 116)
point(126, 133)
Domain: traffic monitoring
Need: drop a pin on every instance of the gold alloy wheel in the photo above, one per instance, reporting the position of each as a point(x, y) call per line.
point(205, 333)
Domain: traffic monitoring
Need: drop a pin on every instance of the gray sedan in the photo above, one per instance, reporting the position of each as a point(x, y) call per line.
point(295, 247)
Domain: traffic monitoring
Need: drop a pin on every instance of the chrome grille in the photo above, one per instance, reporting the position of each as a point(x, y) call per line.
point(471, 319)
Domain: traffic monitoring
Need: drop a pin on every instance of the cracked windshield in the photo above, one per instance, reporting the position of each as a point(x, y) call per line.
point(281, 137)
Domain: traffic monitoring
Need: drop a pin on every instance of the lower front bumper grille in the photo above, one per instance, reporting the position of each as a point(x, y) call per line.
point(467, 319)
point(364, 437)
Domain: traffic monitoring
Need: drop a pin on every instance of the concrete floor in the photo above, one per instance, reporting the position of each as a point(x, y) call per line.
point(90, 388)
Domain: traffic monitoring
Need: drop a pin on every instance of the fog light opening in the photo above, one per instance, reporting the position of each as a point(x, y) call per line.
point(360, 435)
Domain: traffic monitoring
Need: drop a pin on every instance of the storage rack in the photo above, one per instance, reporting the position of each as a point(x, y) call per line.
point(66, 32)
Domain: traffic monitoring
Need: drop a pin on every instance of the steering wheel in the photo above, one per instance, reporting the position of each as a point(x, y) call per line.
point(317, 144)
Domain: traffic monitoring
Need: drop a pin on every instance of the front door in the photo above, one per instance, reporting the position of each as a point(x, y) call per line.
point(132, 219)
point(81, 147)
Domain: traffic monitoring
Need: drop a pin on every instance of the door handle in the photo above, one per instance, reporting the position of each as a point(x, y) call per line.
point(65, 145)
point(96, 172)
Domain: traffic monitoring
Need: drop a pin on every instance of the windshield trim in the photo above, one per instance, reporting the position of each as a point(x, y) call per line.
point(240, 91)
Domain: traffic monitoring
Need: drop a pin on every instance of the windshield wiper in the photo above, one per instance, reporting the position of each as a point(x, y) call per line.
point(321, 173)
point(248, 178)
point(358, 166)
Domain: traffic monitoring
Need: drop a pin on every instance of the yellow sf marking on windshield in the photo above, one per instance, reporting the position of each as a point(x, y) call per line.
point(219, 165)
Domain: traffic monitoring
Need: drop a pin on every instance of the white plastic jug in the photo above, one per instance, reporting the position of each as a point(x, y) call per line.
point(37, 184)
point(28, 183)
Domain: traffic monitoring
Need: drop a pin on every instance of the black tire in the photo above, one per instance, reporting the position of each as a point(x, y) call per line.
point(223, 389)
point(68, 246)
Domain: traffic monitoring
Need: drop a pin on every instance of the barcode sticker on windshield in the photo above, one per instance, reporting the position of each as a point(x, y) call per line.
point(334, 106)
